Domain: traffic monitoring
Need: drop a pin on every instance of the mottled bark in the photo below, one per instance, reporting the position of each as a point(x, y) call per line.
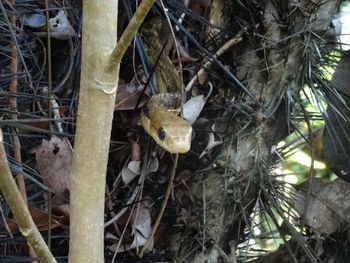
point(272, 58)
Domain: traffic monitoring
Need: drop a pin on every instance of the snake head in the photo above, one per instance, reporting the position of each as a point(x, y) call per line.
point(173, 134)
point(159, 119)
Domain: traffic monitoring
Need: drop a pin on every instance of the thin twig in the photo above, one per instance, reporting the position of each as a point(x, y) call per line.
point(311, 171)
point(162, 209)
point(49, 84)
point(175, 41)
point(123, 210)
point(14, 39)
point(13, 105)
point(16, 144)
point(233, 41)
point(128, 34)
point(204, 219)
point(68, 74)
point(123, 233)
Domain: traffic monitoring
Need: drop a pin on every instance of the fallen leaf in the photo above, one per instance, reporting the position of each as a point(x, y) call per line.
point(60, 26)
point(131, 171)
point(202, 78)
point(329, 204)
point(128, 96)
point(54, 158)
point(135, 150)
point(40, 218)
point(134, 166)
point(154, 165)
point(193, 107)
point(213, 141)
point(319, 216)
point(63, 209)
point(142, 229)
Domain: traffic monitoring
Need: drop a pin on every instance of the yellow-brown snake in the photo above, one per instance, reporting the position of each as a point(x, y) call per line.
point(159, 116)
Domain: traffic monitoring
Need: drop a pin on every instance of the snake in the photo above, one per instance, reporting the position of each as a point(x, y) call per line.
point(160, 115)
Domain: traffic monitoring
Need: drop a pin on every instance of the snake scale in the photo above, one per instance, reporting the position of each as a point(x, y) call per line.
point(159, 116)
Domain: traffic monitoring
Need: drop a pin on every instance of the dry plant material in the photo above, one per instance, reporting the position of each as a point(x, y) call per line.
point(40, 219)
point(128, 96)
point(60, 27)
point(214, 140)
point(13, 106)
point(54, 159)
point(194, 106)
point(133, 168)
point(202, 74)
point(20, 210)
point(149, 243)
point(336, 140)
point(232, 176)
point(141, 229)
point(131, 171)
point(328, 205)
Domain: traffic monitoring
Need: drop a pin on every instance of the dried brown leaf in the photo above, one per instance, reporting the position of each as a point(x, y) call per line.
point(142, 229)
point(329, 205)
point(54, 158)
point(127, 98)
point(40, 218)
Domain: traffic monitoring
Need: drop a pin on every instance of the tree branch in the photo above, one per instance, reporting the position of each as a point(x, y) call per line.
point(19, 208)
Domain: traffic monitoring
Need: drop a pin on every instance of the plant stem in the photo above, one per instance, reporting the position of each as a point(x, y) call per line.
point(129, 34)
point(20, 210)
point(99, 78)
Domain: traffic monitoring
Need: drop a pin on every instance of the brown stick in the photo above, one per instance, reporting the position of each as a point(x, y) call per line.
point(16, 144)
point(162, 209)
point(13, 106)
point(233, 41)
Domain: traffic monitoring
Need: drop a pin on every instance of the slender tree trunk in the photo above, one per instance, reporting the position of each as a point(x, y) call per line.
point(101, 58)
point(94, 121)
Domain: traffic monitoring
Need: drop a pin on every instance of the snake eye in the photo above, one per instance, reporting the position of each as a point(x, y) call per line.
point(161, 133)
